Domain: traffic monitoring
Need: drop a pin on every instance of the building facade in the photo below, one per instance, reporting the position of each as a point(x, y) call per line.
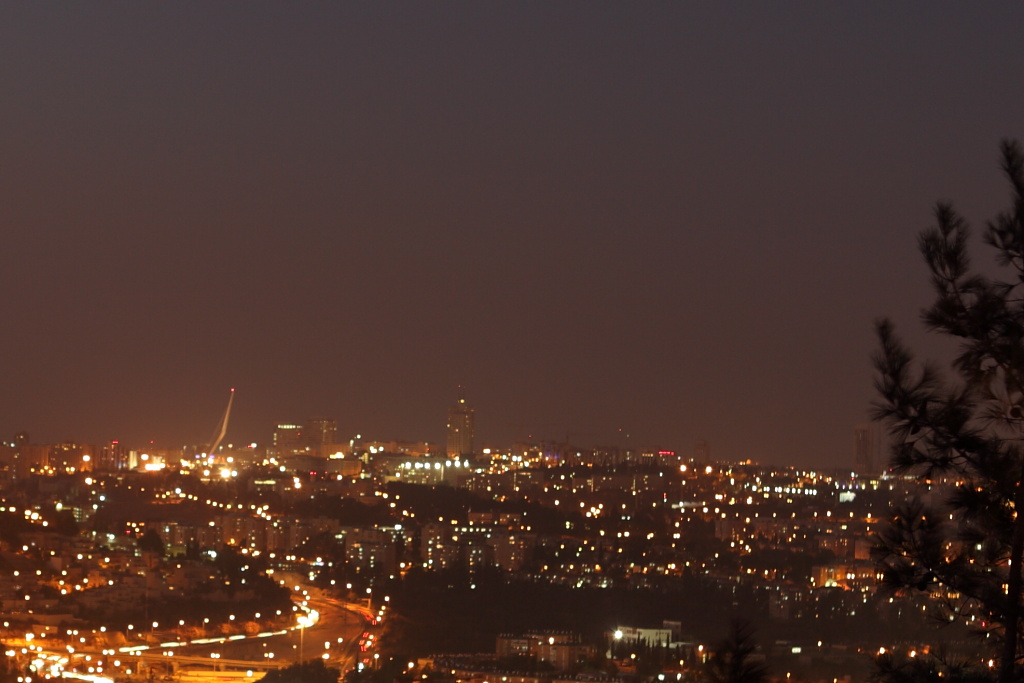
point(459, 443)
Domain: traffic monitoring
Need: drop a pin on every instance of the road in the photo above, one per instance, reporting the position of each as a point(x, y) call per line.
point(339, 633)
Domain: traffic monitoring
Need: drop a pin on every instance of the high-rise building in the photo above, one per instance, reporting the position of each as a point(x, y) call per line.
point(113, 456)
point(287, 439)
point(309, 438)
point(321, 431)
point(864, 449)
point(702, 452)
point(460, 430)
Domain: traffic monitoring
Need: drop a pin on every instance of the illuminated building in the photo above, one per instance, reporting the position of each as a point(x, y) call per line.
point(287, 439)
point(113, 456)
point(459, 443)
point(26, 458)
point(561, 650)
point(310, 437)
point(70, 457)
point(369, 551)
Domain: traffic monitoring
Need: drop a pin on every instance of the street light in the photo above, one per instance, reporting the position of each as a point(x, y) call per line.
point(616, 637)
point(304, 621)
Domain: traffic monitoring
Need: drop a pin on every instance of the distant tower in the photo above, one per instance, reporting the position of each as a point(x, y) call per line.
point(864, 449)
point(321, 431)
point(460, 430)
point(702, 452)
point(114, 456)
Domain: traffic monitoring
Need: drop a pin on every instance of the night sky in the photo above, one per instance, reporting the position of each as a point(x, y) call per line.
point(639, 224)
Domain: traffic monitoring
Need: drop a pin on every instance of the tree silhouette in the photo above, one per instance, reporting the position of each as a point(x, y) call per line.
point(935, 667)
point(10, 671)
point(62, 522)
point(967, 434)
point(733, 660)
point(151, 542)
point(310, 671)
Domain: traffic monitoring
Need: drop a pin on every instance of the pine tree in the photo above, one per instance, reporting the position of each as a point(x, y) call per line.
point(733, 660)
point(964, 429)
point(309, 671)
point(151, 542)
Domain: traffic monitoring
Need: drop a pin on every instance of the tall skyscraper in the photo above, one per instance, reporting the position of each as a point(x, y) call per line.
point(287, 439)
point(460, 430)
point(864, 449)
point(702, 452)
point(309, 438)
point(113, 456)
point(321, 431)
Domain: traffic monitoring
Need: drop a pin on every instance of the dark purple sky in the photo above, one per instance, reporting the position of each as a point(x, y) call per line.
point(677, 219)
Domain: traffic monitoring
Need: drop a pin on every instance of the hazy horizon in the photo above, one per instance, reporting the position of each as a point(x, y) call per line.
point(679, 221)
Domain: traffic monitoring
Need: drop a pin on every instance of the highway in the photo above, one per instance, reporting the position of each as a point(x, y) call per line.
point(342, 634)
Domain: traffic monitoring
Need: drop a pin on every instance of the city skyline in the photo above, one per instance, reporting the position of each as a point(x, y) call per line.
point(868, 457)
point(661, 225)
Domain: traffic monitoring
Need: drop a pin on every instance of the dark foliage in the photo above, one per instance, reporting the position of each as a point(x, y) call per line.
point(61, 521)
point(734, 659)
point(151, 542)
point(935, 668)
point(455, 611)
point(10, 669)
point(965, 435)
point(311, 671)
point(347, 511)
point(12, 526)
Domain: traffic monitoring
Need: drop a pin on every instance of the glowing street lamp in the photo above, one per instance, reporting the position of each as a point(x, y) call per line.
point(304, 621)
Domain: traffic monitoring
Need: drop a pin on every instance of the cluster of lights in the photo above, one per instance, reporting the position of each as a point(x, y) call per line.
point(436, 465)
